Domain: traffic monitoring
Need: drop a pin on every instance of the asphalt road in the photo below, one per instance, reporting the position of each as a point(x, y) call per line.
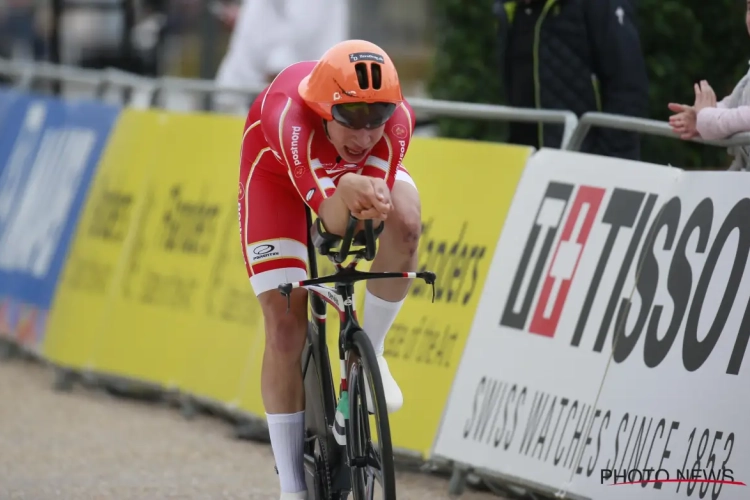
point(87, 444)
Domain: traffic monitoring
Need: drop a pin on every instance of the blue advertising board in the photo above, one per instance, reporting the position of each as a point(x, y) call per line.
point(49, 151)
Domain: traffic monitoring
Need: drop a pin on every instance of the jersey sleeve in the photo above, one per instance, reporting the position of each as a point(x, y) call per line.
point(388, 154)
point(290, 138)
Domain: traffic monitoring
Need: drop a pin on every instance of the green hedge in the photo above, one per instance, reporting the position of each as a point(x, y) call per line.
point(684, 41)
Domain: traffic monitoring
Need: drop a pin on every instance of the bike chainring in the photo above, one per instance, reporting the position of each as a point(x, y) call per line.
point(320, 452)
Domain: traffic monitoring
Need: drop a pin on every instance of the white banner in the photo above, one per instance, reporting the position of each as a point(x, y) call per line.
point(531, 399)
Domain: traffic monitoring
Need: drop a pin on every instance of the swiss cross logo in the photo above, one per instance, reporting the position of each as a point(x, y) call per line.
point(567, 254)
point(565, 260)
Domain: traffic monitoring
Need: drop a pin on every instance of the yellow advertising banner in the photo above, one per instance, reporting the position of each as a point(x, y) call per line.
point(80, 312)
point(180, 315)
point(174, 306)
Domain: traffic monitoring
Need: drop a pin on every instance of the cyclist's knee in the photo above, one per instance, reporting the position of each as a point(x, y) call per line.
point(285, 331)
point(404, 224)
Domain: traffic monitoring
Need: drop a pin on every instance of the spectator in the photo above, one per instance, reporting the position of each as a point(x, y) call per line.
point(17, 29)
point(710, 120)
point(139, 53)
point(90, 32)
point(579, 55)
point(269, 35)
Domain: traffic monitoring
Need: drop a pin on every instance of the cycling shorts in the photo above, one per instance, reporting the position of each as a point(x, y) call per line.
point(273, 221)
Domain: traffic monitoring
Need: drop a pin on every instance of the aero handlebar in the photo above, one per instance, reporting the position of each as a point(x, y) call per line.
point(366, 238)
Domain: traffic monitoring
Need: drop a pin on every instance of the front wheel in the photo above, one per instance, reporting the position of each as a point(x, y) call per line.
point(370, 461)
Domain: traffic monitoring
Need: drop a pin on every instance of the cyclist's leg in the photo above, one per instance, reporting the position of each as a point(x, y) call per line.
point(397, 252)
point(274, 232)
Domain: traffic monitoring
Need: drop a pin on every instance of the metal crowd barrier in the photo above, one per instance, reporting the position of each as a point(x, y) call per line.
point(142, 92)
point(643, 126)
point(147, 92)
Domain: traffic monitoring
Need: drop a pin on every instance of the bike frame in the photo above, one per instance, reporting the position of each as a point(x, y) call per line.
point(341, 297)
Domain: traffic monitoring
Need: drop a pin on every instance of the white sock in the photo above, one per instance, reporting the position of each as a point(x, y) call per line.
point(379, 317)
point(287, 431)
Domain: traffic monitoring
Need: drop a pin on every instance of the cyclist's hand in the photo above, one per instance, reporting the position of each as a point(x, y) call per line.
point(365, 198)
point(383, 194)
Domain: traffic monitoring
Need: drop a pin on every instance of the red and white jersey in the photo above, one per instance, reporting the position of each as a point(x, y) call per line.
point(290, 141)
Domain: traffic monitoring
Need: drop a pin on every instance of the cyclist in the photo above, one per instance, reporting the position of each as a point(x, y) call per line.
point(331, 134)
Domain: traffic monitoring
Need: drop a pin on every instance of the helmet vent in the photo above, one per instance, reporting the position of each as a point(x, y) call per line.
point(362, 76)
point(376, 76)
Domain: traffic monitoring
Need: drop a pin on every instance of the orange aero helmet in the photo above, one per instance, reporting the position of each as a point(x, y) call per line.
point(351, 73)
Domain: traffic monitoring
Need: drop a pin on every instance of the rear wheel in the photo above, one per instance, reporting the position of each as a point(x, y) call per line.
point(370, 459)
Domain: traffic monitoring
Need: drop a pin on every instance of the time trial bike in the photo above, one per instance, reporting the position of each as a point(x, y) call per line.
point(333, 471)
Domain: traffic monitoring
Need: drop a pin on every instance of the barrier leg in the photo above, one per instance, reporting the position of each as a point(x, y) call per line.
point(252, 429)
point(8, 350)
point(129, 388)
point(457, 484)
point(188, 408)
point(64, 379)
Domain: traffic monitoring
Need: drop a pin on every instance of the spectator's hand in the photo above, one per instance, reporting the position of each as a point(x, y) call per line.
point(683, 122)
point(705, 97)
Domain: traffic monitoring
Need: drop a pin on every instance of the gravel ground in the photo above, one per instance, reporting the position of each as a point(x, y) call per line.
point(89, 445)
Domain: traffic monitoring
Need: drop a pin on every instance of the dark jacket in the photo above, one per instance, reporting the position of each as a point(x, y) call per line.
point(579, 55)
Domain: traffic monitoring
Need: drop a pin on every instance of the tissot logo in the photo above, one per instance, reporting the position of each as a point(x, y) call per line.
point(568, 251)
point(628, 223)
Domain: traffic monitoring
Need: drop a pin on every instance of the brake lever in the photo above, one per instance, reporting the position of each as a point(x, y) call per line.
point(429, 278)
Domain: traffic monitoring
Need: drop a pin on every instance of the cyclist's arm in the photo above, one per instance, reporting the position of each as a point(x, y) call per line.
point(388, 154)
point(334, 213)
point(289, 136)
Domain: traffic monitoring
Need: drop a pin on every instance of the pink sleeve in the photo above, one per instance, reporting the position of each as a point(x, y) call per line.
point(720, 123)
